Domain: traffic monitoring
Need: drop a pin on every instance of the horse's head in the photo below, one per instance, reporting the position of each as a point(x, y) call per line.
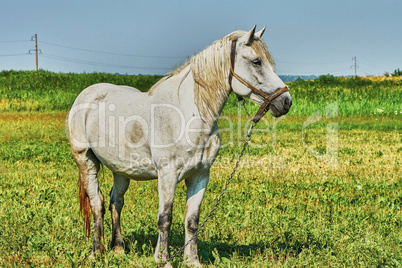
point(253, 63)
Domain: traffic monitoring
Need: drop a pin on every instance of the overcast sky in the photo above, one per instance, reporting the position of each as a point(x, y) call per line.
point(153, 36)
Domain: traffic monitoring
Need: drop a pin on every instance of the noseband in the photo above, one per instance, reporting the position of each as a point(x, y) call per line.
point(267, 98)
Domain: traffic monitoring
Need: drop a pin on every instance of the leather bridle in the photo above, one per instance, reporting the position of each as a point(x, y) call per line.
point(267, 98)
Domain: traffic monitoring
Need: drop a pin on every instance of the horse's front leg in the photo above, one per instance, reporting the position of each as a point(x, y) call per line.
point(195, 193)
point(166, 187)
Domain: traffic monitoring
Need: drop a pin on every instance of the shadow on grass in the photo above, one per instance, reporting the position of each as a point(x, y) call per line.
point(144, 243)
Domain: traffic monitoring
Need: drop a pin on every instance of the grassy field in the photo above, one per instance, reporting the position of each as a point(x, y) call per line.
point(284, 208)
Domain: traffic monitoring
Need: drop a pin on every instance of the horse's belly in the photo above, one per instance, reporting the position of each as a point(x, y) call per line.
point(133, 164)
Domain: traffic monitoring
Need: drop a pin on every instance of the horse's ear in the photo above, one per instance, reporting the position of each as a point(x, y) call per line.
point(250, 36)
point(260, 33)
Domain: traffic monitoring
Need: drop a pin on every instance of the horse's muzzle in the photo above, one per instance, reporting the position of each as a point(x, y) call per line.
point(281, 105)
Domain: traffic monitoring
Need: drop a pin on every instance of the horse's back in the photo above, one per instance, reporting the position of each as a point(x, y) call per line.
point(88, 104)
point(98, 92)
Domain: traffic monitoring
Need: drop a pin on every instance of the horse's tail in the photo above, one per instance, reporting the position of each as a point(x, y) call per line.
point(85, 207)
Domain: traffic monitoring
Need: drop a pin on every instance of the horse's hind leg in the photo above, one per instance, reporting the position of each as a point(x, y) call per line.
point(120, 186)
point(89, 165)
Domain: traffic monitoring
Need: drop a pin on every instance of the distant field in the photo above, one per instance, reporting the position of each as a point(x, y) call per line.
point(46, 91)
point(284, 208)
point(49, 92)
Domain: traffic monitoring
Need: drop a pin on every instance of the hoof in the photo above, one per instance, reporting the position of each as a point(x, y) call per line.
point(94, 254)
point(118, 250)
point(194, 263)
point(167, 265)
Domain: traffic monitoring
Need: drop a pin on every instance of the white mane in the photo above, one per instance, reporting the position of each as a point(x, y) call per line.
point(210, 69)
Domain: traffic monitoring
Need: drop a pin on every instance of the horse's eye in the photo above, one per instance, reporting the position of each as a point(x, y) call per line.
point(256, 62)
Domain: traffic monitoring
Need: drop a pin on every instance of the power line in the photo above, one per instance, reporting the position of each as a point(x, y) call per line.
point(50, 56)
point(112, 53)
point(313, 73)
point(80, 61)
point(379, 68)
point(12, 55)
point(14, 41)
point(311, 63)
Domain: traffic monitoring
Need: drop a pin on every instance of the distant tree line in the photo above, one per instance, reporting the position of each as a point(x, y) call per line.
point(397, 72)
point(292, 78)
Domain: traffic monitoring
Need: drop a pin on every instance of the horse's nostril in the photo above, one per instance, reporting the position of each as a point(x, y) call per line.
point(287, 103)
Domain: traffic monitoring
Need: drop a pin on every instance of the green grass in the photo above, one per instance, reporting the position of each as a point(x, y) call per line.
point(46, 91)
point(284, 207)
point(353, 97)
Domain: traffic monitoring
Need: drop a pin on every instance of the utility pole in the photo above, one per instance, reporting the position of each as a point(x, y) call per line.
point(36, 49)
point(355, 65)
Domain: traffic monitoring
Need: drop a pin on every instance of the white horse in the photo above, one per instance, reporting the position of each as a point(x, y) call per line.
point(169, 133)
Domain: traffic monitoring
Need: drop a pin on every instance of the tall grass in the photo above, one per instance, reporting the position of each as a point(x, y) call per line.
point(47, 91)
point(356, 96)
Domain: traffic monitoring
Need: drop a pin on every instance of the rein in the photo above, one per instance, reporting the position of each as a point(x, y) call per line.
point(260, 113)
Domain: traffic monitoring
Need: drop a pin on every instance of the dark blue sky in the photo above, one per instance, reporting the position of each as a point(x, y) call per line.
point(154, 36)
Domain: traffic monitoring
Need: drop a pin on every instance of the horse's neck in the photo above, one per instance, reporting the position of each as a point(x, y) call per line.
point(180, 89)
